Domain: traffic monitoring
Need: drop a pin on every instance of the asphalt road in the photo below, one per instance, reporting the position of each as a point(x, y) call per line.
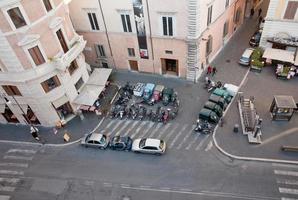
point(74, 172)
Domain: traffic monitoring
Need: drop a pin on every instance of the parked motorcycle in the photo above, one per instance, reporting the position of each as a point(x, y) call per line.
point(203, 127)
point(214, 85)
point(166, 115)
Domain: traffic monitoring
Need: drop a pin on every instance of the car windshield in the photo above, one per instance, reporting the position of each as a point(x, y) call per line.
point(162, 143)
point(142, 143)
point(245, 59)
point(103, 139)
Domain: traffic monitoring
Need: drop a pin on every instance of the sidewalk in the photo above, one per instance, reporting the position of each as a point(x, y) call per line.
point(76, 128)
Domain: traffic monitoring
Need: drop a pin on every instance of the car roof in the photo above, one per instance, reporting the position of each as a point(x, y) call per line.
point(95, 136)
point(247, 53)
point(152, 142)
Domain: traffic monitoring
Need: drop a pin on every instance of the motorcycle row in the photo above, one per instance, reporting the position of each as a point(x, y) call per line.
point(125, 108)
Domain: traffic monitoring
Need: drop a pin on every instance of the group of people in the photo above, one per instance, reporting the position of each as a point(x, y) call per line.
point(252, 12)
point(211, 70)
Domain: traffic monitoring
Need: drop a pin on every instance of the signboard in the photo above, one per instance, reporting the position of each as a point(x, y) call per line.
point(140, 27)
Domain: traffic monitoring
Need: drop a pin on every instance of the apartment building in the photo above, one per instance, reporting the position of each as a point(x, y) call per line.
point(280, 32)
point(176, 38)
point(43, 71)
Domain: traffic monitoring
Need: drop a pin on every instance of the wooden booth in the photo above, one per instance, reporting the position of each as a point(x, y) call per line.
point(282, 107)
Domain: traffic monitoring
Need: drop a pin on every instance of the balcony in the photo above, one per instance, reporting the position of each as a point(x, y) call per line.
point(62, 60)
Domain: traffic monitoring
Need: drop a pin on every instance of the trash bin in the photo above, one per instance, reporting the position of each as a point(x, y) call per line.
point(236, 128)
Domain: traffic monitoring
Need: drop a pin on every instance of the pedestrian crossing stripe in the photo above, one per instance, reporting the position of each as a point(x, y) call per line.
point(171, 132)
point(122, 128)
point(145, 132)
point(177, 136)
point(139, 130)
point(114, 128)
point(185, 138)
point(287, 173)
point(9, 180)
point(24, 165)
point(280, 165)
point(159, 125)
point(135, 123)
point(288, 190)
point(164, 130)
point(201, 143)
point(18, 157)
point(25, 151)
point(7, 189)
point(4, 197)
point(10, 172)
point(287, 182)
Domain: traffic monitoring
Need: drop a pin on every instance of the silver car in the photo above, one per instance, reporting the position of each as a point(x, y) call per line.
point(95, 140)
point(149, 145)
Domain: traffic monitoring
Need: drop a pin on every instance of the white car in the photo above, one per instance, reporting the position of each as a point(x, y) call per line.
point(95, 140)
point(149, 145)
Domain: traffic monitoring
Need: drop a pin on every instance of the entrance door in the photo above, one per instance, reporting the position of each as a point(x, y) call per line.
point(170, 66)
point(62, 40)
point(133, 65)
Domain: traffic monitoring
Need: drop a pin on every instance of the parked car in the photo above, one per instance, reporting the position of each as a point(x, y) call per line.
point(214, 107)
point(223, 93)
point(208, 115)
point(246, 56)
point(255, 39)
point(95, 140)
point(121, 143)
point(157, 94)
point(139, 89)
point(218, 100)
point(149, 145)
point(148, 91)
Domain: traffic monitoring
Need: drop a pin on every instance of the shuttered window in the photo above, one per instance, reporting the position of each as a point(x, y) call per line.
point(50, 84)
point(36, 55)
point(291, 10)
point(126, 23)
point(11, 90)
point(16, 17)
point(93, 21)
point(48, 5)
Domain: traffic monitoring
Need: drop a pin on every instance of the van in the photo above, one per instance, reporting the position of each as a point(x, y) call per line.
point(245, 58)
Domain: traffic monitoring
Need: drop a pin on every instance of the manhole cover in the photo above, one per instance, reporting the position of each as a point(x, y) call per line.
point(228, 60)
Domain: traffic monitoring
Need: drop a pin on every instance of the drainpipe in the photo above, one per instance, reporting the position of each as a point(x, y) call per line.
point(150, 30)
point(106, 32)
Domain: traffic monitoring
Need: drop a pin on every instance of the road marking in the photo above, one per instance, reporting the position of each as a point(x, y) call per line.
point(110, 123)
point(186, 137)
point(135, 123)
point(288, 173)
point(284, 165)
point(165, 128)
point(115, 127)
point(18, 157)
point(287, 182)
point(7, 188)
point(288, 190)
point(175, 126)
point(206, 193)
point(201, 143)
point(107, 184)
point(177, 136)
point(24, 165)
point(10, 172)
point(209, 146)
point(159, 125)
point(123, 127)
point(26, 151)
point(283, 198)
point(151, 124)
point(9, 180)
point(193, 141)
point(4, 197)
point(139, 130)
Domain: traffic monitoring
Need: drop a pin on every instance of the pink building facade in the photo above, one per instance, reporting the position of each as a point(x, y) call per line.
point(41, 61)
point(150, 36)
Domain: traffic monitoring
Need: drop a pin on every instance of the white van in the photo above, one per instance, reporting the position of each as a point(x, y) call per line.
point(245, 58)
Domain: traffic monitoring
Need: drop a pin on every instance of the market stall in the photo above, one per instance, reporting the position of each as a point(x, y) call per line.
point(282, 107)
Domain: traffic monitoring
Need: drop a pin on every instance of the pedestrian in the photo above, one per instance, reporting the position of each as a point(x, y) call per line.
point(209, 69)
point(252, 12)
point(206, 79)
point(34, 132)
point(260, 19)
point(260, 12)
point(214, 70)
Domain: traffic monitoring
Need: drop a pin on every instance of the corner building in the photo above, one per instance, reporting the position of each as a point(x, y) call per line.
point(176, 38)
point(41, 62)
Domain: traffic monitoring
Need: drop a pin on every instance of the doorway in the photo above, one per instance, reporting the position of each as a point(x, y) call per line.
point(9, 116)
point(169, 66)
point(133, 65)
point(65, 111)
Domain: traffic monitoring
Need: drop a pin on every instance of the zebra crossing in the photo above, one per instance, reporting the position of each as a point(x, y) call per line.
point(12, 167)
point(176, 135)
point(287, 180)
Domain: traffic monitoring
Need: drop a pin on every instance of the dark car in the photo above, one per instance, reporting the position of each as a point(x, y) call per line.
point(208, 115)
point(214, 107)
point(218, 100)
point(255, 39)
point(121, 143)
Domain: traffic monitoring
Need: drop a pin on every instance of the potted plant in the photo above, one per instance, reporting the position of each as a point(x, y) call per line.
point(257, 62)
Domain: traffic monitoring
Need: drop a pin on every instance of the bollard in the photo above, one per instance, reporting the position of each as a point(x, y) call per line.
point(236, 128)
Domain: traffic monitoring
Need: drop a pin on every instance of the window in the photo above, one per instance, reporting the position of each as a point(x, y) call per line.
point(291, 10)
point(209, 17)
point(169, 52)
point(48, 5)
point(167, 26)
point(36, 55)
point(62, 40)
point(11, 90)
point(131, 52)
point(93, 21)
point(225, 29)
point(227, 3)
point(126, 23)
point(100, 52)
point(72, 67)
point(50, 84)
point(209, 45)
point(79, 83)
point(16, 17)
point(105, 65)
point(237, 15)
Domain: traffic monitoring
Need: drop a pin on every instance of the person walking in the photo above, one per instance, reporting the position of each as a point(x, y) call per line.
point(260, 12)
point(214, 70)
point(252, 12)
point(209, 69)
point(34, 132)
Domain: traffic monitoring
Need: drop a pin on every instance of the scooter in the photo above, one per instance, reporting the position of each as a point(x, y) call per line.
point(203, 127)
point(165, 117)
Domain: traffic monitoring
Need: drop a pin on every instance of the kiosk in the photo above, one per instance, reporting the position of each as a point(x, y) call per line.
point(282, 107)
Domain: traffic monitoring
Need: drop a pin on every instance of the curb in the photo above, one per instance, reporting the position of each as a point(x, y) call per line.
point(242, 157)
